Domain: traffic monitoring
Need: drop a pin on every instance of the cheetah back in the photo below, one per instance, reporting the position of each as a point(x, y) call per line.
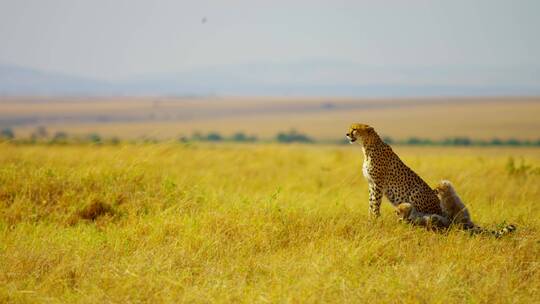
point(403, 185)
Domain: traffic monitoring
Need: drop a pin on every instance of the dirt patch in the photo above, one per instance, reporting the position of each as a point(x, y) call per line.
point(92, 212)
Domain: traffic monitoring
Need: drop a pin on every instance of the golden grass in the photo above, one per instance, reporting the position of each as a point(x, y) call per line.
point(254, 224)
point(477, 118)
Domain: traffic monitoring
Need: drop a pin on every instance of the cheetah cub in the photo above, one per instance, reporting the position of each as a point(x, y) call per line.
point(458, 214)
point(406, 212)
point(455, 213)
point(452, 205)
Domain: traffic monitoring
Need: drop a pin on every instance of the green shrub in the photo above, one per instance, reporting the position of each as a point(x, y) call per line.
point(7, 133)
point(293, 136)
point(94, 138)
point(241, 137)
point(214, 137)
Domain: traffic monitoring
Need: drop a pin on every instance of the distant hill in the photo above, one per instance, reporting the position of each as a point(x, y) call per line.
point(16, 80)
point(317, 78)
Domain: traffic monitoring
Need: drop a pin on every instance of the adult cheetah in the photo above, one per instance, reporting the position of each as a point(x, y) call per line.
point(387, 174)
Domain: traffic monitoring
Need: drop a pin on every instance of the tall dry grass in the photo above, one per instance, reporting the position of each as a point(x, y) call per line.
point(255, 224)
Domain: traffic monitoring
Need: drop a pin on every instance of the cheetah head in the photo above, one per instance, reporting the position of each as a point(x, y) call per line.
point(404, 210)
point(444, 189)
point(358, 131)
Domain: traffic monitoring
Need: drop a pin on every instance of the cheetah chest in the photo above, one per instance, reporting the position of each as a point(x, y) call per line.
point(365, 170)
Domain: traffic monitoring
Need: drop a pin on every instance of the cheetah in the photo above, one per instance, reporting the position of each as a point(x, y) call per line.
point(387, 174)
point(452, 205)
point(406, 212)
point(458, 214)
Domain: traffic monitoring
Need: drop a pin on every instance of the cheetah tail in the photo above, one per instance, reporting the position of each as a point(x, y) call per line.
point(496, 233)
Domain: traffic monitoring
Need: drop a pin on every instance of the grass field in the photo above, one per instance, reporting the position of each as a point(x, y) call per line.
point(256, 224)
point(320, 118)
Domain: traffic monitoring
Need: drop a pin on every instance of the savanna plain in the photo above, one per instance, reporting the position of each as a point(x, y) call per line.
point(256, 223)
point(323, 119)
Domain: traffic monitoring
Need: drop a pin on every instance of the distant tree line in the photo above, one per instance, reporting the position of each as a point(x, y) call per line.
point(462, 141)
point(291, 136)
point(216, 137)
point(7, 134)
point(41, 135)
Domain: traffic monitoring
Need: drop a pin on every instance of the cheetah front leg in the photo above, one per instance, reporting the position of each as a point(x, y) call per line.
point(375, 198)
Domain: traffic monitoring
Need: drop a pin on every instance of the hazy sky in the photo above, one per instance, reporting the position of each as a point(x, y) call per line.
point(113, 39)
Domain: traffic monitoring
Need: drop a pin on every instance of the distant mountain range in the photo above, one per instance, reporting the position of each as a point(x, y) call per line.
point(297, 79)
point(24, 81)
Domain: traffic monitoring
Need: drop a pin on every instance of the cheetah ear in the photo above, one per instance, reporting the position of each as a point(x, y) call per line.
point(360, 126)
point(369, 128)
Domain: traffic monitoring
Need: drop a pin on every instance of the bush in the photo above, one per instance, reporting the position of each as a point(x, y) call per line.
point(197, 136)
point(115, 140)
point(388, 140)
point(496, 142)
point(7, 133)
point(40, 133)
point(94, 138)
point(457, 141)
point(241, 137)
point(413, 141)
point(462, 141)
point(59, 137)
point(293, 136)
point(514, 142)
point(214, 137)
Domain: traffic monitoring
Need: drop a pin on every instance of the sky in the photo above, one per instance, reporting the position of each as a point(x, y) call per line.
point(121, 40)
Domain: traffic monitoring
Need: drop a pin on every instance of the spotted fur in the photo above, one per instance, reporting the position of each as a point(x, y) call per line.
point(387, 175)
point(452, 205)
point(458, 214)
point(406, 212)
